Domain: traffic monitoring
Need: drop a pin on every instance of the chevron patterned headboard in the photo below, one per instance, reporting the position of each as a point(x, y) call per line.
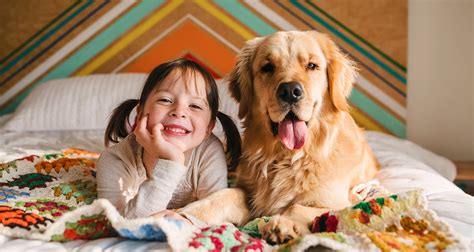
point(56, 39)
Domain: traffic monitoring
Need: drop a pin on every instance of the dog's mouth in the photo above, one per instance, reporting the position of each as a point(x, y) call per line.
point(292, 131)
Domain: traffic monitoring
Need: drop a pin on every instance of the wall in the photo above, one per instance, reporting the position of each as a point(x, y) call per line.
point(58, 39)
point(440, 76)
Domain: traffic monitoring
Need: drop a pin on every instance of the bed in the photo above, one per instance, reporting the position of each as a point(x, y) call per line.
point(73, 113)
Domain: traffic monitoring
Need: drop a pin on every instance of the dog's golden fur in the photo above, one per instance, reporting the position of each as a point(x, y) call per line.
point(293, 184)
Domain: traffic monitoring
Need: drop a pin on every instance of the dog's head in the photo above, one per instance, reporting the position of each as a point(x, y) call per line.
point(288, 79)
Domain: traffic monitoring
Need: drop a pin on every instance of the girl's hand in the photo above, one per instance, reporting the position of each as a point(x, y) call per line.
point(154, 143)
point(169, 213)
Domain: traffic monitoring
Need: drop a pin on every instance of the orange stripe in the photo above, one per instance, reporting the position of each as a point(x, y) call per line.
point(186, 38)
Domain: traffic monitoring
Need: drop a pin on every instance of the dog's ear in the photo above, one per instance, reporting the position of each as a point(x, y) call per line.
point(341, 72)
point(241, 78)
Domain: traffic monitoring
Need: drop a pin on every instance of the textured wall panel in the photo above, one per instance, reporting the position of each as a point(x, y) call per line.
point(61, 39)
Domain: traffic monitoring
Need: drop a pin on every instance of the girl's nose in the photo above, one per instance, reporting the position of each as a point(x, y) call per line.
point(178, 111)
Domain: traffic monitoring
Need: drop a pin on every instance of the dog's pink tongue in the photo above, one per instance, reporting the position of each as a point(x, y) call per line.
point(292, 133)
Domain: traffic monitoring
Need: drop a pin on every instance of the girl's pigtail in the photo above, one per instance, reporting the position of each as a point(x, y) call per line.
point(233, 148)
point(117, 127)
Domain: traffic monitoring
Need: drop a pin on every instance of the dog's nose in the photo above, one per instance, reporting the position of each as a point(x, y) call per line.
point(290, 92)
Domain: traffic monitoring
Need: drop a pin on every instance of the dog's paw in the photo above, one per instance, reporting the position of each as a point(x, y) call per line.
point(279, 229)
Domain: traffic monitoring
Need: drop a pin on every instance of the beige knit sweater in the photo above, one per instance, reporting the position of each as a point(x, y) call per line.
point(121, 178)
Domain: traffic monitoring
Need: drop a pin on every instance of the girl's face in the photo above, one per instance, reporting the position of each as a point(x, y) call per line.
point(180, 104)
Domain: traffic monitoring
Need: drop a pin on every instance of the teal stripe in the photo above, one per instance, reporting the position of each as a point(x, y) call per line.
point(238, 11)
point(365, 104)
point(92, 48)
point(103, 40)
point(350, 42)
point(40, 31)
point(12, 105)
point(45, 37)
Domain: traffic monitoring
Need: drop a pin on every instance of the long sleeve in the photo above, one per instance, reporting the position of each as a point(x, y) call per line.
point(113, 180)
point(156, 192)
point(212, 168)
point(123, 182)
point(121, 178)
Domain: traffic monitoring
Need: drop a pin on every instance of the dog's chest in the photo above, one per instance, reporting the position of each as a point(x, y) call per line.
point(280, 183)
point(287, 182)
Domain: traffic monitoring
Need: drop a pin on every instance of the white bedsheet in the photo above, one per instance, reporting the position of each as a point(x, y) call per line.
point(405, 166)
point(18, 144)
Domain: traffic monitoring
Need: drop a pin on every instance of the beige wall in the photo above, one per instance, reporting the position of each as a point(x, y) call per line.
point(440, 76)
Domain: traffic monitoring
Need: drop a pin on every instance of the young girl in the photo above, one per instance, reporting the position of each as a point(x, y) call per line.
point(171, 158)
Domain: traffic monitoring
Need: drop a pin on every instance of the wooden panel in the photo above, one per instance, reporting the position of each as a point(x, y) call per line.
point(372, 32)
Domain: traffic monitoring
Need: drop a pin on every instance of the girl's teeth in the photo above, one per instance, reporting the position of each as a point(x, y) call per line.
point(176, 130)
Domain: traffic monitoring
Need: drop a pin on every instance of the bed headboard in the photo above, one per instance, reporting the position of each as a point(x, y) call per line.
point(58, 39)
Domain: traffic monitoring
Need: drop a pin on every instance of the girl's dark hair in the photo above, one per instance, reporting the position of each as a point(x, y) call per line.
point(118, 126)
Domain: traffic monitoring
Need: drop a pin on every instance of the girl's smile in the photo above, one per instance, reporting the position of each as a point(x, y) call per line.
point(175, 130)
point(180, 105)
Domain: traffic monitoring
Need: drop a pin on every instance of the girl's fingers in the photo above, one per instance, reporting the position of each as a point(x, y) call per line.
point(159, 214)
point(142, 122)
point(169, 213)
point(163, 213)
point(177, 216)
point(156, 131)
point(141, 131)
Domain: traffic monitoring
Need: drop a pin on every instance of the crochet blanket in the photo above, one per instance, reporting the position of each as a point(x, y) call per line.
point(54, 198)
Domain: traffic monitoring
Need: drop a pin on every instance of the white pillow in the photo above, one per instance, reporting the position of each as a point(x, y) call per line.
point(86, 102)
point(389, 150)
point(76, 103)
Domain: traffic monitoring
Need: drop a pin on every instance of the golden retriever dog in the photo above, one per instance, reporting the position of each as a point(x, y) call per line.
point(302, 151)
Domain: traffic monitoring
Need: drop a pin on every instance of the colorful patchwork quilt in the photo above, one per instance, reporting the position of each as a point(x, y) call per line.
point(53, 197)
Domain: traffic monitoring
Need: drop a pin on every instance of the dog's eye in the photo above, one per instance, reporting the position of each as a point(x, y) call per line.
point(312, 66)
point(268, 68)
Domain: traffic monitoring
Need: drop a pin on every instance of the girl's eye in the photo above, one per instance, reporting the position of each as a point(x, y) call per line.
point(164, 100)
point(194, 106)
